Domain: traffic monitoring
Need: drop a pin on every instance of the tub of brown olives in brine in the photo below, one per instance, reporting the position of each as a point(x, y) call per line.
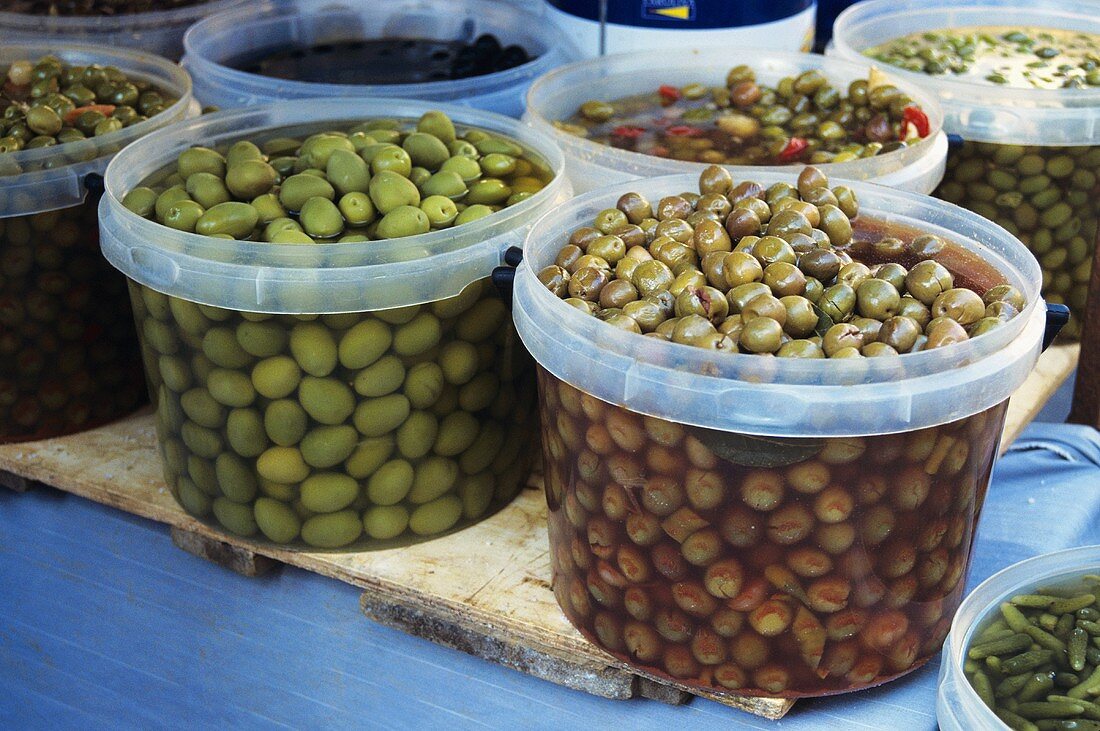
point(330, 366)
point(770, 408)
point(620, 117)
point(68, 354)
point(1020, 85)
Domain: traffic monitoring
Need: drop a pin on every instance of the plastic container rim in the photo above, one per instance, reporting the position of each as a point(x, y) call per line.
point(548, 86)
point(215, 26)
point(906, 16)
point(125, 59)
point(984, 599)
point(293, 264)
point(559, 327)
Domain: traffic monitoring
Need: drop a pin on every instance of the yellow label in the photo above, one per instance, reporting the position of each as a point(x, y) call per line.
point(680, 12)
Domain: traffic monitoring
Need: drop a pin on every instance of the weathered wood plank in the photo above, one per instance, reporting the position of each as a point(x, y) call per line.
point(235, 558)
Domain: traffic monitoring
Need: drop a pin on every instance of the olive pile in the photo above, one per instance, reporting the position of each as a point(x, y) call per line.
point(803, 119)
point(328, 430)
point(1049, 197)
point(741, 268)
point(1037, 664)
point(49, 102)
point(829, 565)
point(95, 7)
point(374, 181)
point(68, 352)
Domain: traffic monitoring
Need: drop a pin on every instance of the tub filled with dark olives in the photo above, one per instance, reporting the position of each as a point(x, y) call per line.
point(68, 354)
point(1020, 85)
point(477, 53)
point(330, 366)
point(1024, 650)
point(620, 117)
point(770, 408)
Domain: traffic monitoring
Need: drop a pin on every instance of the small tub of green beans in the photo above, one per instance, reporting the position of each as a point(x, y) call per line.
point(1024, 649)
point(330, 364)
point(1020, 85)
point(68, 354)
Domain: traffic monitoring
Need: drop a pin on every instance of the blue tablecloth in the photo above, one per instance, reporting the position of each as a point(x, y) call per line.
point(104, 623)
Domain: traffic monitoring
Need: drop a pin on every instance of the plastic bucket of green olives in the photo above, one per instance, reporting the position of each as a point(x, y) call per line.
point(331, 378)
point(1029, 159)
point(68, 354)
point(1055, 685)
point(153, 31)
point(405, 48)
point(683, 103)
point(752, 524)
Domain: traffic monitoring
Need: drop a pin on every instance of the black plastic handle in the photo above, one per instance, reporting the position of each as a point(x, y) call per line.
point(504, 276)
point(954, 142)
point(1057, 317)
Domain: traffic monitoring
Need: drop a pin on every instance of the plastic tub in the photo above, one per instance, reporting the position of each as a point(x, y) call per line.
point(958, 707)
point(191, 293)
point(557, 96)
point(218, 40)
point(887, 461)
point(68, 355)
point(155, 32)
point(1011, 136)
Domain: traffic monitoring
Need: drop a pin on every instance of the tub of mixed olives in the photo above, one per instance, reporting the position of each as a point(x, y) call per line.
point(620, 117)
point(330, 366)
point(477, 53)
point(769, 412)
point(1023, 651)
point(68, 354)
point(1020, 84)
point(154, 26)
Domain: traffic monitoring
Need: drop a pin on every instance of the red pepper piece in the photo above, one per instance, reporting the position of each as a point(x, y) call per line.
point(669, 93)
point(916, 117)
point(683, 130)
point(104, 109)
point(627, 131)
point(794, 148)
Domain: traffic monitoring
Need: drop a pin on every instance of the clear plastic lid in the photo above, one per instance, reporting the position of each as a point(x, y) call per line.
point(49, 178)
point(557, 96)
point(323, 278)
point(976, 110)
point(160, 31)
point(788, 397)
point(958, 707)
point(217, 40)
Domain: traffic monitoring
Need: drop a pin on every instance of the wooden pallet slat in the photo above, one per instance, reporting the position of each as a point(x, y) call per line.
point(484, 590)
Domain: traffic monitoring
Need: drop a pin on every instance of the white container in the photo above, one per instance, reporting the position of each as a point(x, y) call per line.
point(33, 182)
point(636, 25)
point(958, 707)
point(975, 110)
point(289, 278)
point(917, 168)
point(219, 39)
point(832, 398)
point(76, 366)
point(989, 118)
point(159, 32)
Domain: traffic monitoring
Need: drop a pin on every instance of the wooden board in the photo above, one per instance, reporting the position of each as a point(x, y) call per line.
point(484, 590)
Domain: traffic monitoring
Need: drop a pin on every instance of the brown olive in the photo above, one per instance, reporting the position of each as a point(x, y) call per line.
point(676, 229)
point(765, 305)
point(688, 328)
point(944, 331)
point(714, 268)
point(646, 313)
point(785, 279)
point(744, 191)
point(875, 350)
point(632, 235)
point(742, 221)
point(568, 256)
point(555, 279)
point(899, 332)
point(651, 277)
point(587, 283)
point(740, 268)
point(715, 203)
point(853, 273)
point(635, 207)
point(841, 335)
point(836, 224)
point(821, 264)
point(877, 298)
point(618, 293)
point(800, 349)
point(915, 310)
point(582, 305)
point(963, 305)
point(801, 318)
point(811, 178)
point(715, 179)
point(838, 302)
point(674, 206)
point(770, 249)
point(927, 279)
point(610, 219)
point(761, 335)
point(710, 237)
point(984, 325)
point(1005, 293)
point(889, 247)
point(609, 248)
point(583, 235)
point(1001, 310)
point(741, 295)
point(926, 246)
point(868, 326)
point(786, 223)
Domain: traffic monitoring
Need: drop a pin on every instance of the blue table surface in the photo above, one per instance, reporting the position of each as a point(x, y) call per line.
point(105, 624)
